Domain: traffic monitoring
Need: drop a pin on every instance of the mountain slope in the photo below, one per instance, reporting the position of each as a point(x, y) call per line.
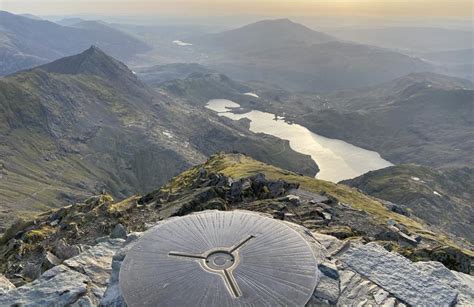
point(418, 39)
point(416, 119)
point(421, 118)
point(85, 123)
point(442, 198)
point(298, 58)
point(266, 34)
point(157, 74)
point(26, 42)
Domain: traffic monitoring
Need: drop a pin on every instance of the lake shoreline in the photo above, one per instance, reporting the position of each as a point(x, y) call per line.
point(337, 159)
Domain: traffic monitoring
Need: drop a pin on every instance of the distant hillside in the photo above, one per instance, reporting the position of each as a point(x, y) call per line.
point(298, 58)
point(459, 62)
point(265, 35)
point(27, 42)
point(442, 198)
point(86, 123)
point(419, 39)
point(157, 74)
point(422, 118)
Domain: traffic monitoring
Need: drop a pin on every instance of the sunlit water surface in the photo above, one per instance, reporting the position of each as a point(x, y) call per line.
point(337, 160)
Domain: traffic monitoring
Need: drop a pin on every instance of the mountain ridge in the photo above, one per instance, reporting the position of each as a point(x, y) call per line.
point(25, 45)
point(66, 134)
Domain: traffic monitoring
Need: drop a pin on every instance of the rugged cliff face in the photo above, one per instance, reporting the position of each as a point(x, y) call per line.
point(82, 238)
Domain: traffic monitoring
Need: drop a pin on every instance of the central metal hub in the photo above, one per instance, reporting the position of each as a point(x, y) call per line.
point(220, 260)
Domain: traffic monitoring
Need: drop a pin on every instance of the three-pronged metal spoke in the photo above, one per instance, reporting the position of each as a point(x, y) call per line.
point(186, 255)
point(221, 262)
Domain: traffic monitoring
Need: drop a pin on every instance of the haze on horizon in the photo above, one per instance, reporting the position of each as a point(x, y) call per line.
point(374, 8)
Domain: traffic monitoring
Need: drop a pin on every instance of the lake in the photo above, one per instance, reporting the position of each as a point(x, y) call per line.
point(337, 160)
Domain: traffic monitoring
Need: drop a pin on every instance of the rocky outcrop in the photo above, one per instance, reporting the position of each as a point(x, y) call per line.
point(350, 274)
point(59, 286)
point(87, 242)
point(79, 281)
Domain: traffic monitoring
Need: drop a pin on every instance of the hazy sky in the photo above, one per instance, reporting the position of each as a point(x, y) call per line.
point(379, 8)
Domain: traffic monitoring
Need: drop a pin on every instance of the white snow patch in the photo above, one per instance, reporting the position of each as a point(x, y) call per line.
point(251, 94)
point(181, 43)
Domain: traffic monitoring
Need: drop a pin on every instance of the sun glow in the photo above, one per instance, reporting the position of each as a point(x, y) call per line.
point(455, 8)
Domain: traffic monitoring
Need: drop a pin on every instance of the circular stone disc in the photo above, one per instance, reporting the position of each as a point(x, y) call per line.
point(219, 258)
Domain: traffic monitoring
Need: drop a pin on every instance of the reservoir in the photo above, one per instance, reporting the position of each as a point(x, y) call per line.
point(337, 160)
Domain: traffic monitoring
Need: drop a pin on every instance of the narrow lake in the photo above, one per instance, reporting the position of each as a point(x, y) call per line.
point(337, 160)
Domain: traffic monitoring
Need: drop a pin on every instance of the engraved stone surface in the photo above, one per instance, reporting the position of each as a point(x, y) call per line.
point(219, 259)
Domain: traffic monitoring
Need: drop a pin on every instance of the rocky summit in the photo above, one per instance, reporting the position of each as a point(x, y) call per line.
point(366, 254)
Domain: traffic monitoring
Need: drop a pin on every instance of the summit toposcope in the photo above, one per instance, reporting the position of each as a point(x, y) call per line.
point(219, 258)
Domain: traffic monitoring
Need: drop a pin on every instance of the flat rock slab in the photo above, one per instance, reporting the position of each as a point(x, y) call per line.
point(219, 258)
point(59, 286)
point(398, 275)
point(96, 262)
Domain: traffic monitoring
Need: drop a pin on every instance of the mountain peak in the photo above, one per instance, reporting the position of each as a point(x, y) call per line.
point(268, 34)
point(278, 25)
point(92, 61)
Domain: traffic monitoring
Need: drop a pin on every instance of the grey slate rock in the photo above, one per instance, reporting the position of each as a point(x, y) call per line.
point(96, 264)
point(329, 269)
point(65, 251)
point(462, 282)
point(32, 270)
point(119, 231)
point(327, 289)
point(398, 275)
point(50, 260)
point(59, 286)
point(5, 285)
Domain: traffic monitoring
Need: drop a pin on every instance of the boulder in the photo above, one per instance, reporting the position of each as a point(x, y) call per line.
point(119, 231)
point(50, 260)
point(32, 270)
point(66, 251)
